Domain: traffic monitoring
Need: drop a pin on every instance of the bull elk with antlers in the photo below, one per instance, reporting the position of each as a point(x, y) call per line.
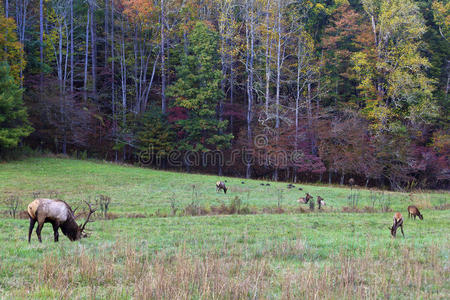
point(60, 215)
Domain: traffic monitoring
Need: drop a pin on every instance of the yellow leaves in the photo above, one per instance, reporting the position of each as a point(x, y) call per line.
point(441, 13)
point(320, 6)
point(441, 141)
point(400, 21)
point(423, 112)
point(11, 50)
point(378, 113)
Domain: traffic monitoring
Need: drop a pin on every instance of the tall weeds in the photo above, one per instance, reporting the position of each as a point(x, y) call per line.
point(181, 275)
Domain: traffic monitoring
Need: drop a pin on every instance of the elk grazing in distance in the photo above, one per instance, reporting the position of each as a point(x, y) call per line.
point(398, 222)
point(220, 185)
point(414, 211)
point(305, 200)
point(351, 182)
point(60, 215)
point(320, 202)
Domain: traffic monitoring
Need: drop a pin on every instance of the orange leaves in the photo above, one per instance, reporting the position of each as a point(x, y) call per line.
point(138, 10)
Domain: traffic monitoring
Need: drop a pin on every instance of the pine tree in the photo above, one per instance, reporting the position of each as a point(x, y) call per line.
point(13, 115)
point(197, 89)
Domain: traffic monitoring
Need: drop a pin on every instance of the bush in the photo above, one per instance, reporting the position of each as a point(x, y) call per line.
point(103, 202)
point(12, 203)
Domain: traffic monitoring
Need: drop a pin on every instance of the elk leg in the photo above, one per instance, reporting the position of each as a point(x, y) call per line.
point(38, 231)
point(32, 222)
point(55, 231)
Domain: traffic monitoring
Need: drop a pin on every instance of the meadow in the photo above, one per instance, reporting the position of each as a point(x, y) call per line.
point(151, 244)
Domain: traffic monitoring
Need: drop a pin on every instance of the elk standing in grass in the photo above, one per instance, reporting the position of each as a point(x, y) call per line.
point(60, 215)
point(305, 200)
point(414, 211)
point(398, 222)
point(320, 202)
point(351, 181)
point(220, 185)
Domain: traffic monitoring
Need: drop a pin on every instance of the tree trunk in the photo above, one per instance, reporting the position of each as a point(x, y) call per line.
point(41, 48)
point(86, 58)
point(106, 21)
point(123, 73)
point(94, 50)
point(268, 44)
point(278, 85)
point(71, 48)
point(163, 62)
point(250, 56)
point(113, 95)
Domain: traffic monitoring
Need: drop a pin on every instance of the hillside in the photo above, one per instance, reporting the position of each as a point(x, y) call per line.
point(269, 253)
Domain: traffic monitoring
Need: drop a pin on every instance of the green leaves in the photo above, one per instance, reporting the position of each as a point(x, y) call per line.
point(13, 116)
point(197, 90)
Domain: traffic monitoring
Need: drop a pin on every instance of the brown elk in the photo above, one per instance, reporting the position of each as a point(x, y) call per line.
point(220, 185)
point(398, 222)
point(305, 200)
point(414, 211)
point(351, 182)
point(60, 215)
point(320, 202)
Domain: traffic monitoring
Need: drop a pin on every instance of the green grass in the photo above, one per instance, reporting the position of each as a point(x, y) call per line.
point(138, 190)
point(280, 252)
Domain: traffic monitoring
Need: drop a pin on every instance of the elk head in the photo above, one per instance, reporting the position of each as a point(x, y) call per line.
point(81, 229)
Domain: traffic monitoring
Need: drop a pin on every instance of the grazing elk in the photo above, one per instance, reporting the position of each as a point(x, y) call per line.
point(398, 222)
point(220, 185)
point(60, 215)
point(320, 202)
point(414, 211)
point(351, 182)
point(305, 200)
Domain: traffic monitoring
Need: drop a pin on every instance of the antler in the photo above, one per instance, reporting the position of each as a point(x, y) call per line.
point(73, 212)
point(91, 211)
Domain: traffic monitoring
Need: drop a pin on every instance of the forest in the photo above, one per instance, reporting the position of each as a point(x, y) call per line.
point(305, 90)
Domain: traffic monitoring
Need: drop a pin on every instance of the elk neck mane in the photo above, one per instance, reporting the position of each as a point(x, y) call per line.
point(70, 228)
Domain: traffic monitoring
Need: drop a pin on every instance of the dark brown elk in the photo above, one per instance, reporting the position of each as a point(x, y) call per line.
point(305, 200)
point(398, 222)
point(351, 182)
point(414, 211)
point(320, 202)
point(220, 185)
point(60, 215)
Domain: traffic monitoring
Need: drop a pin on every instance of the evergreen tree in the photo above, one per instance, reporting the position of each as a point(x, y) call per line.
point(197, 89)
point(13, 115)
point(154, 133)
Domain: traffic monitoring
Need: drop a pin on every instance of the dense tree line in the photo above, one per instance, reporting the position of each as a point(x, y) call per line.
point(354, 88)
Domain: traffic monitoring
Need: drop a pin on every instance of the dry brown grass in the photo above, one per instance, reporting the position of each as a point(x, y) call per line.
point(214, 275)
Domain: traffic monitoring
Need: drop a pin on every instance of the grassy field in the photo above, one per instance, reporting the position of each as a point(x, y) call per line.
point(153, 249)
